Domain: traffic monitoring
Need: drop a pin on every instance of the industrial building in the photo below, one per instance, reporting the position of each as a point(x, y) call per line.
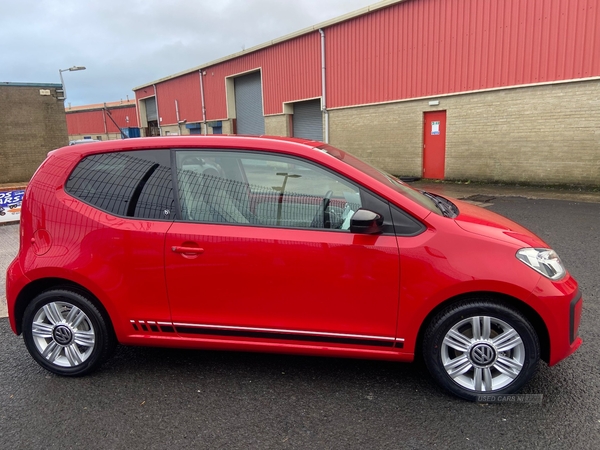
point(103, 121)
point(461, 90)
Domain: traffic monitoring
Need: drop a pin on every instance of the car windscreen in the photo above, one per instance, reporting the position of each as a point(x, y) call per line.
point(383, 177)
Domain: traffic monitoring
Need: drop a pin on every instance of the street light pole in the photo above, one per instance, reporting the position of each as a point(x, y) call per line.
point(62, 82)
point(281, 190)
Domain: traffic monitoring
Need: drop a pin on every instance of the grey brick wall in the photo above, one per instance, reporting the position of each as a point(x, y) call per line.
point(31, 125)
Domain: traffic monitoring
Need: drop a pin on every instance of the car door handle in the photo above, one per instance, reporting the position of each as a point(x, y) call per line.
point(187, 250)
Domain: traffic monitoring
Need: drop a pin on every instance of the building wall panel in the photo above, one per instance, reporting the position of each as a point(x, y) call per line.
point(421, 48)
point(85, 122)
point(125, 117)
point(184, 89)
point(290, 72)
point(92, 122)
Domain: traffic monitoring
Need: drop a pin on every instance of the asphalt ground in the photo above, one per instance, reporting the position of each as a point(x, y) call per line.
point(160, 398)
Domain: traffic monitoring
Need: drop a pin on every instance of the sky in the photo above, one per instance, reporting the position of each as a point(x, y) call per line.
point(127, 43)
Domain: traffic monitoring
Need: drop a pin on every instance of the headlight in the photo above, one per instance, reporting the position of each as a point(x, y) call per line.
point(544, 261)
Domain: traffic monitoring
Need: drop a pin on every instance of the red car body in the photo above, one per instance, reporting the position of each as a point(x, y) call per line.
point(270, 289)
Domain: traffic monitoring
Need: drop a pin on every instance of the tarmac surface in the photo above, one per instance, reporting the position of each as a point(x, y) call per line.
point(160, 398)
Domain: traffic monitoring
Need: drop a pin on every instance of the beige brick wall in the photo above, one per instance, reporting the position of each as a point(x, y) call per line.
point(99, 136)
point(175, 130)
point(388, 136)
point(31, 125)
point(277, 125)
point(227, 126)
point(541, 134)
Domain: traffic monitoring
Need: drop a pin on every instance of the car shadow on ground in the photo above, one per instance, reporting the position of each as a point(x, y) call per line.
point(272, 369)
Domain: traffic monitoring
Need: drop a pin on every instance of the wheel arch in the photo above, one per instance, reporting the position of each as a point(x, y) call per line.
point(530, 314)
point(36, 287)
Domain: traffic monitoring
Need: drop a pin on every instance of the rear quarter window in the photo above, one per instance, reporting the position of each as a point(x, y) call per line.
point(132, 184)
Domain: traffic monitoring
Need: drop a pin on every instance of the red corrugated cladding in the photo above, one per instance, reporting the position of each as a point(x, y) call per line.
point(125, 117)
point(423, 48)
point(85, 122)
point(290, 71)
point(416, 48)
point(184, 89)
point(92, 122)
point(146, 92)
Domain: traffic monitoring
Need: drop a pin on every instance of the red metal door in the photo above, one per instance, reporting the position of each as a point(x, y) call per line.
point(434, 144)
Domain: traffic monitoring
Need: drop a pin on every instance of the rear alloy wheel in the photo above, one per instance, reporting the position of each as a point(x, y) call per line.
point(65, 333)
point(481, 348)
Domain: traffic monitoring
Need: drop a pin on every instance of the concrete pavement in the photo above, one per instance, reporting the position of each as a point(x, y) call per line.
point(466, 190)
point(9, 246)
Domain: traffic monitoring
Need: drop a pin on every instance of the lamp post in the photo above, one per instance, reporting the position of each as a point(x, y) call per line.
point(70, 69)
point(281, 190)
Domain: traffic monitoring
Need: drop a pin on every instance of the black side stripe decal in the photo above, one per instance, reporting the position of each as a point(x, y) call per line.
point(287, 336)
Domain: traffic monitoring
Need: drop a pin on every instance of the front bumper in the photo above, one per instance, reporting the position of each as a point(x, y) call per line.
point(575, 310)
point(559, 304)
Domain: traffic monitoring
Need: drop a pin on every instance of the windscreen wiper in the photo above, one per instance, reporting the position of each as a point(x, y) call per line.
point(441, 205)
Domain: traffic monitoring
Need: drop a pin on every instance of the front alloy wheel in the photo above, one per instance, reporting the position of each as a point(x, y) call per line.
point(478, 348)
point(65, 333)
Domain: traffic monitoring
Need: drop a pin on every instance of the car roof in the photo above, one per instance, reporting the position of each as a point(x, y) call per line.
point(207, 141)
point(314, 150)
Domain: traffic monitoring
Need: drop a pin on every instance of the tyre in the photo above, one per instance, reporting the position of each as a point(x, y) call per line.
point(480, 347)
point(66, 334)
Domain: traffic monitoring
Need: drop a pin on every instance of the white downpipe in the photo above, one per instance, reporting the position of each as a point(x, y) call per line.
point(157, 113)
point(323, 92)
point(138, 113)
point(104, 119)
point(177, 116)
point(204, 131)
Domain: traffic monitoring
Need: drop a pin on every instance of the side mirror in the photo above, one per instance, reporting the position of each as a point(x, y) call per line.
point(364, 221)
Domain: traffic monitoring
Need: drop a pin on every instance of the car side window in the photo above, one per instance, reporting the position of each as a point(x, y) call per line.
point(132, 184)
point(259, 189)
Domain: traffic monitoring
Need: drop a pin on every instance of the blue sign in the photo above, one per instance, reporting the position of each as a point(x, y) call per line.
point(10, 205)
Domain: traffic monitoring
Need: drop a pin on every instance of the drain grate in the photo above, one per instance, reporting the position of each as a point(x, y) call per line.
point(480, 198)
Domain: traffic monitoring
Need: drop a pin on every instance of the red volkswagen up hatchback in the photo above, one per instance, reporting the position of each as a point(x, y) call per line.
point(278, 245)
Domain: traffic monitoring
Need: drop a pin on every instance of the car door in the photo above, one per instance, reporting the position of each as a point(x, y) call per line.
point(125, 205)
point(264, 251)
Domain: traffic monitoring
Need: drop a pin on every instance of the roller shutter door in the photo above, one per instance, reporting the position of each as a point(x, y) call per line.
point(248, 105)
point(151, 109)
point(308, 120)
